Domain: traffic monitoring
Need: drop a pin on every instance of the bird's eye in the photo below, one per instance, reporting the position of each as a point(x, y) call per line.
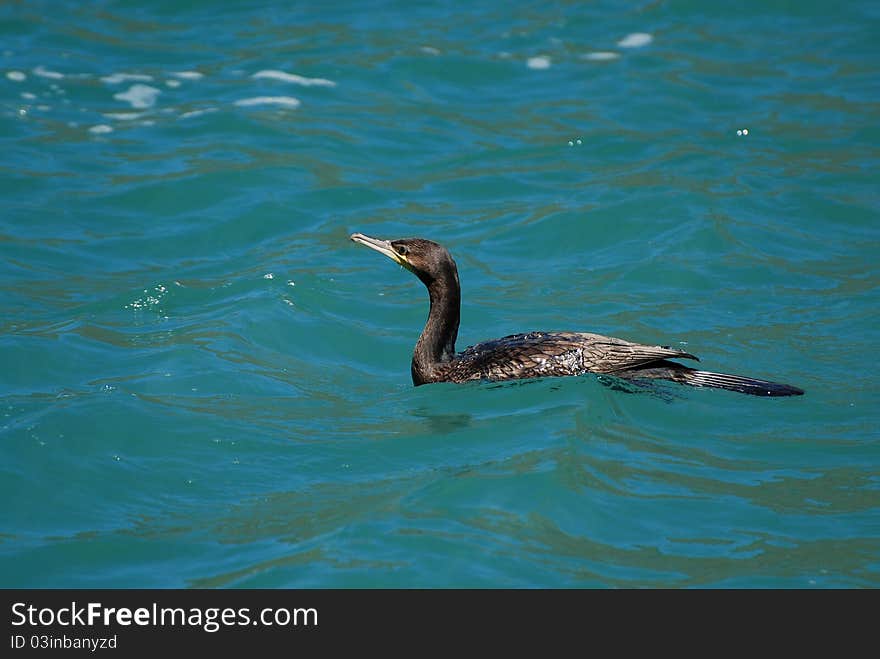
point(401, 249)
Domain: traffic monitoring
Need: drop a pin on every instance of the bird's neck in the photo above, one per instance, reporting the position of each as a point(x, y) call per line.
point(436, 345)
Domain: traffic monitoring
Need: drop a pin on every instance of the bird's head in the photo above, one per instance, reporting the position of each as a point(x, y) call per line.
point(428, 260)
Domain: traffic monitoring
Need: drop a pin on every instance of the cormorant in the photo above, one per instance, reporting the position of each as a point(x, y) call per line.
point(535, 354)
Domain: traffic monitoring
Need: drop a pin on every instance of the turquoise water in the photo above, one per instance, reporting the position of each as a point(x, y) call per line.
point(205, 383)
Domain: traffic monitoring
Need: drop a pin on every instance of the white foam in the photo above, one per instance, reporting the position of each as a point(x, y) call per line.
point(196, 113)
point(172, 83)
point(16, 76)
point(294, 79)
point(139, 96)
point(635, 40)
point(285, 101)
point(101, 129)
point(123, 116)
point(116, 78)
point(540, 62)
point(188, 75)
point(600, 56)
point(43, 72)
point(430, 50)
point(28, 96)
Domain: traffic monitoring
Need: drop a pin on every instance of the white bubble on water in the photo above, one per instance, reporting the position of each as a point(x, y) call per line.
point(284, 101)
point(116, 78)
point(123, 116)
point(600, 56)
point(303, 81)
point(538, 63)
point(196, 113)
point(188, 75)
point(635, 40)
point(43, 72)
point(139, 96)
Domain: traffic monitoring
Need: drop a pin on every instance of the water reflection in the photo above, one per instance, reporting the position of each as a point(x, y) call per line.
point(441, 423)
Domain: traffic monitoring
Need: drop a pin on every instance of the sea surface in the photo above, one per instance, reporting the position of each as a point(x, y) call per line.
point(205, 383)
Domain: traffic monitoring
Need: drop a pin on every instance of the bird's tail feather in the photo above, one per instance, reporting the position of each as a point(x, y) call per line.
point(669, 370)
point(742, 384)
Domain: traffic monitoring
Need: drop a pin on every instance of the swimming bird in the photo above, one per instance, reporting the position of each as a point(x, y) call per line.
point(534, 354)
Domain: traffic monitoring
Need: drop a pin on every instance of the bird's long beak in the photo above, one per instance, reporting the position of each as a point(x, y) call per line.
point(381, 246)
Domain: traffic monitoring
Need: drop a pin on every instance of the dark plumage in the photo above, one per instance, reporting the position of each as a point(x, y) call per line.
point(536, 354)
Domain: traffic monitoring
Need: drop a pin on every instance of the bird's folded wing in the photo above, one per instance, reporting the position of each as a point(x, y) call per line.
point(605, 354)
point(545, 353)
